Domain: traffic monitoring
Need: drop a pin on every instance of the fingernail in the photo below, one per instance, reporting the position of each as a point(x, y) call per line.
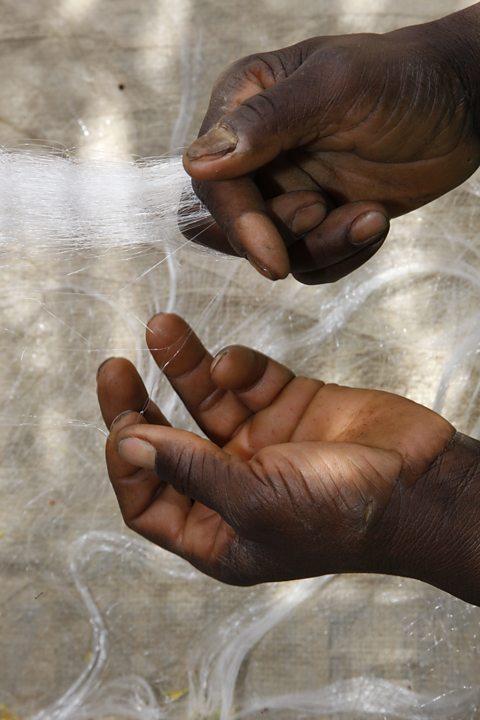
point(369, 228)
point(102, 364)
point(217, 359)
point(138, 453)
point(217, 141)
point(261, 269)
point(307, 218)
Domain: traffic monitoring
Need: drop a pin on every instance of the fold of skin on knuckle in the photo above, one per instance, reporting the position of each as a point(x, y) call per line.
point(256, 111)
point(229, 90)
point(195, 469)
point(177, 474)
point(263, 69)
point(280, 64)
point(251, 507)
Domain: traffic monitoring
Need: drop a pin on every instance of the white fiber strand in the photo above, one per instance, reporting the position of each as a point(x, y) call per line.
point(369, 696)
point(216, 663)
point(126, 697)
point(57, 203)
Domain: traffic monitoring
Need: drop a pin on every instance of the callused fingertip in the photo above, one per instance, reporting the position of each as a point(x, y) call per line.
point(218, 141)
point(369, 228)
point(138, 453)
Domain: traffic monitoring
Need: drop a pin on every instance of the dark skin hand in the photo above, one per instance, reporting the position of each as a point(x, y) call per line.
point(297, 478)
point(305, 153)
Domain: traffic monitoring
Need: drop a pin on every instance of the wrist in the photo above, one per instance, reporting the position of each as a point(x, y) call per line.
point(456, 38)
point(452, 45)
point(431, 529)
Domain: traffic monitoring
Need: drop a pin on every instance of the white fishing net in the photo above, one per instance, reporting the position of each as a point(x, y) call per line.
point(95, 623)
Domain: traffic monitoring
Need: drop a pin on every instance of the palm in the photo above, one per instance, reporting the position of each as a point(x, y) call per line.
point(309, 452)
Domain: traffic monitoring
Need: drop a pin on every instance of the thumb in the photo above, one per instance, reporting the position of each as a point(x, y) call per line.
point(258, 130)
point(195, 467)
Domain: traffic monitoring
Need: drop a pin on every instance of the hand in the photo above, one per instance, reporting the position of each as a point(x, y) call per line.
point(305, 153)
point(297, 478)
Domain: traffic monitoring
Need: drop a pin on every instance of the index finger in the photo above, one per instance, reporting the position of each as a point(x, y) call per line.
point(241, 213)
point(120, 388)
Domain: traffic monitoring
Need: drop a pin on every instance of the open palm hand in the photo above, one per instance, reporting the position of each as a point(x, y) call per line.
point(294, 479)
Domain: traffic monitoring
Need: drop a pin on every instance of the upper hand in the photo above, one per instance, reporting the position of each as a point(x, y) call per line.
point(296, 478)
point(316, 146)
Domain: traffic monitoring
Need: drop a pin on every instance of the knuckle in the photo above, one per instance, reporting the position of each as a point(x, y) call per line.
point(246, 507)
point(176, 470)
point(243, 64)
point(347, 50)
point(232, 79)
point(258, 110)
